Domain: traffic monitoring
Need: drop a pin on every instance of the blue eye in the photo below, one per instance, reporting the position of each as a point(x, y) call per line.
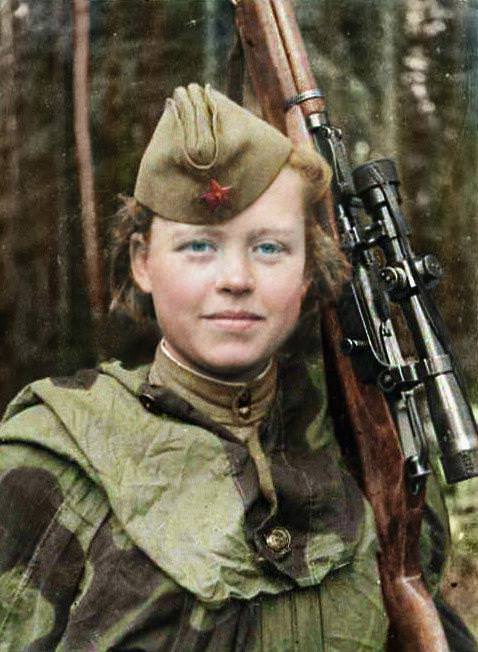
point(270, 248)
point(199, 246)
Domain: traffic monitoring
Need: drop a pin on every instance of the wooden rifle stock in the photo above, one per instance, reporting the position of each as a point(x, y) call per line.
point(279, 69)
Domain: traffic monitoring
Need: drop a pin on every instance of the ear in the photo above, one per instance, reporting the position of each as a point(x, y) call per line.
point(138, 255)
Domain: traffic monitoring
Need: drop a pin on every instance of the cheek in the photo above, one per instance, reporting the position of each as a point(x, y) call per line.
point(175, 293)
point(285, 298)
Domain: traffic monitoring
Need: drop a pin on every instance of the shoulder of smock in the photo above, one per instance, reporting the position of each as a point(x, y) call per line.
point(94, 389)
point(101, 382)
point(96, 419)
point(76, 417)
point(33, 435)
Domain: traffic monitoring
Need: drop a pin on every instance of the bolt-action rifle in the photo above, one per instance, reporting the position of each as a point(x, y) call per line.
point(376, 384)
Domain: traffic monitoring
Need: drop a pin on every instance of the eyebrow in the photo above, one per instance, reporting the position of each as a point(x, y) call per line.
point(197, 232)
point(214, 232)
point(266, 231)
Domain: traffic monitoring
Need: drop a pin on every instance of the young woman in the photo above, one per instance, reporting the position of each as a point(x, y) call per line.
point(199, 502)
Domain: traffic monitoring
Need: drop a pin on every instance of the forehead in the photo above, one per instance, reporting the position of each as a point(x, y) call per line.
point(279, 210)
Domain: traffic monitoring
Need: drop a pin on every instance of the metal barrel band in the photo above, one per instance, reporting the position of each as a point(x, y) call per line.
point(313, 94)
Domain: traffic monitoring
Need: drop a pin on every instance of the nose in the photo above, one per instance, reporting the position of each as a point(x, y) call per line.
point(235, 274)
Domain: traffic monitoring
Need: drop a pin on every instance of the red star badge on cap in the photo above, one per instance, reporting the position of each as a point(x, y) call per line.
point(217, 195)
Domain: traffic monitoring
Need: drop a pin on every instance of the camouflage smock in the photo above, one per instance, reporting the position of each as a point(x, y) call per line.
point(131, 521)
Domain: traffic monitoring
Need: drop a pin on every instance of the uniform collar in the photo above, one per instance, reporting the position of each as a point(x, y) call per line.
point(233, 404)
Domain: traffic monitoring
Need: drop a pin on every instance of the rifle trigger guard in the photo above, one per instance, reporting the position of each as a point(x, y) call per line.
point(313, 94)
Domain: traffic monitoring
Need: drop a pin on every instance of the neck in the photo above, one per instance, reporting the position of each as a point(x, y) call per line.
point(232, 379)
point(235, 404)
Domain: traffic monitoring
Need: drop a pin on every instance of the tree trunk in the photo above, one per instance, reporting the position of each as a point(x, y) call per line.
point(93, 256)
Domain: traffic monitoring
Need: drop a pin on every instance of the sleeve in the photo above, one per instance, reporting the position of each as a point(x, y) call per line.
point(49, 514)
point(70, 576)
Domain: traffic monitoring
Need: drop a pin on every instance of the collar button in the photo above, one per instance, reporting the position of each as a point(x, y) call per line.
point(242, 404)
point(245, 412)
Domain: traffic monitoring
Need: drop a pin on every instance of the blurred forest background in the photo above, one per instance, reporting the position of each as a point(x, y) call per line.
point(401, 78)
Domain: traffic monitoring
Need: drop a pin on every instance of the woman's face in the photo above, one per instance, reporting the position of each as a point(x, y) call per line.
point(227, 296)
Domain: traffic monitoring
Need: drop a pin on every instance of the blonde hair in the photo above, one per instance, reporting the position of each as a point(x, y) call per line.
point(326, 264)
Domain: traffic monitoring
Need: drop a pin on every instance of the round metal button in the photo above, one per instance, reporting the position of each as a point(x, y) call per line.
point(245, 411)
point(242, 404)
point(278, 540)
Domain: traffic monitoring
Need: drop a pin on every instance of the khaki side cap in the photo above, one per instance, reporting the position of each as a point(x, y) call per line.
point(203, 135)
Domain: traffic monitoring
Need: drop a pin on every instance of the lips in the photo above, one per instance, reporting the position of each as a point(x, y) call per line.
point(234, 322)
point(234, 315)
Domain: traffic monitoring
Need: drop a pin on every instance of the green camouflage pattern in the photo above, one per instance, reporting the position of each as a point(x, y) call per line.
point(133, 524)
